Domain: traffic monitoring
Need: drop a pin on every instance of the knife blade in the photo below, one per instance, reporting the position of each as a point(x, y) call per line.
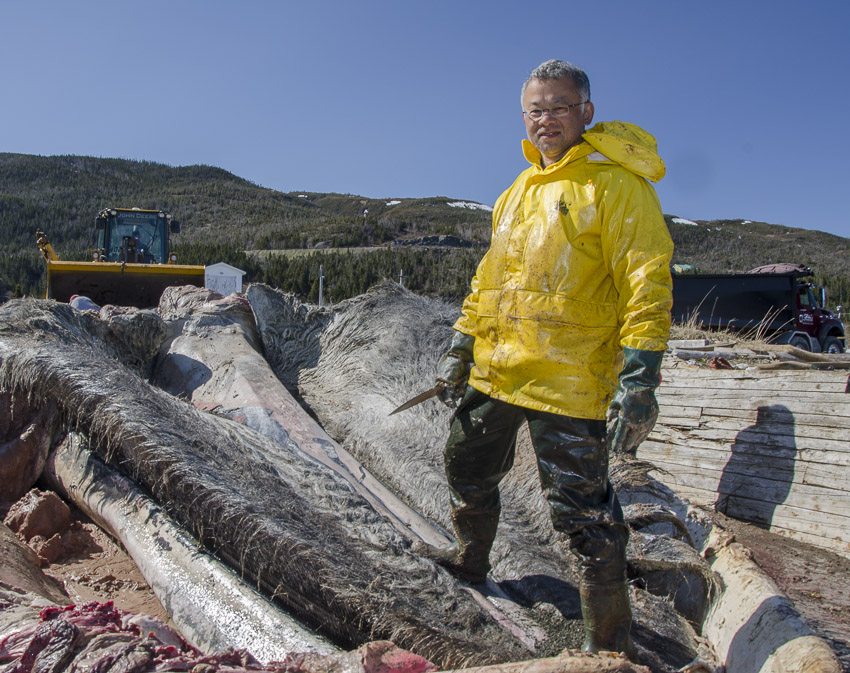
point(421, 397)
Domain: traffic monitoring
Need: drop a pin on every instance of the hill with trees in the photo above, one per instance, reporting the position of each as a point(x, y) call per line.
point(431, 244)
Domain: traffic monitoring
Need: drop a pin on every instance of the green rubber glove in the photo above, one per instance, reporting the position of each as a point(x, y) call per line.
point(454, 367)
point(634, 410)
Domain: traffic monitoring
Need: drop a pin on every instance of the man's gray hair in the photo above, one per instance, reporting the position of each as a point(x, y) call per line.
point(555, 69)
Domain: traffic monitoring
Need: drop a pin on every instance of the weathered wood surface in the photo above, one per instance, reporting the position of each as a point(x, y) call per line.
point(767, 446)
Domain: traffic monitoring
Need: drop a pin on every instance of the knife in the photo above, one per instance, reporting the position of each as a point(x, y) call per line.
point(421, 397)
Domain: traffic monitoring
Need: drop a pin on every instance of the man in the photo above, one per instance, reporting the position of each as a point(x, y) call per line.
point(564, 329)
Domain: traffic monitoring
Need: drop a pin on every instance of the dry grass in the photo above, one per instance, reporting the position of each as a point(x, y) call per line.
point(754, 337)
point(692, 332)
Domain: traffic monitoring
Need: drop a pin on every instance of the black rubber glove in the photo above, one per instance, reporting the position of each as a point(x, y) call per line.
point(454, 367)
point(634, 410)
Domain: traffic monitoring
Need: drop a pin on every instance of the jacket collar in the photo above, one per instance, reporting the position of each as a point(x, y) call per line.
point(534, 157)
point(620, 142)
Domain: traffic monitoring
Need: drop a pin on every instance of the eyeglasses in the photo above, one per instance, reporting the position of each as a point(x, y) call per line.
point(557, 112)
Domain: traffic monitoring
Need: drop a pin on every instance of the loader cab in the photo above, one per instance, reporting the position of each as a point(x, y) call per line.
point(133, 236)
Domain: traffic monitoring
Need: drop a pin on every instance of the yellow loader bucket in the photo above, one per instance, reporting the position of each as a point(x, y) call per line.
point(118, 283)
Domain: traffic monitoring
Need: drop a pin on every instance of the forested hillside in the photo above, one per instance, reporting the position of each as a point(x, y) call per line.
point(433, 244)
point(725, 246)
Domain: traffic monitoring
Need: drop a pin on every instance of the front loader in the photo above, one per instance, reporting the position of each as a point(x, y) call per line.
point(131, 265)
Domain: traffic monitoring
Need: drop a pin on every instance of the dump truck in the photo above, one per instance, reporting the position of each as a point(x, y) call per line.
point(771, 302)
point(131, 264)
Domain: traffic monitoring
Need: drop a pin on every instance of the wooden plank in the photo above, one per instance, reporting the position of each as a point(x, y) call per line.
point(696, 387)
point(763, 381)
point(832, 468)
point(768, 441)
point(833, 386)
point(803, 418)
point(805, 491)
point(755, 374)
point(741, 387)
point(832, 478)
point(839, 404)
point(827, 513)
point(819, 490)
point(689, 343)
point(827, 458)
point(836, 388)
point(700, 408)
point(798, 404)
point(713, 463)
point(683, 411)
point(836, 438)
point(684, 424)
point(674, 441)
point(829, 527)
point(827, 450)
point(792, 513)
point(686, 437)
point(698, 496)
point(775, 444)
point(822, 437)
point(839, 545)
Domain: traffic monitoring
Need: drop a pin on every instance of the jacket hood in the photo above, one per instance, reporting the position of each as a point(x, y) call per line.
point(628, 145)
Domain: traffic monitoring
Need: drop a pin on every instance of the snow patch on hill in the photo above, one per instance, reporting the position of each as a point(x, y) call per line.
point(469, 204)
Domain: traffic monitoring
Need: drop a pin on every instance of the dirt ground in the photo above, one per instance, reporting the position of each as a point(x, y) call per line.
point(817, 581)
point(96, 568)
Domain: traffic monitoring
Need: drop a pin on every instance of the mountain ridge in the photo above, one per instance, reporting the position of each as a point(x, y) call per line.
point(224, 214)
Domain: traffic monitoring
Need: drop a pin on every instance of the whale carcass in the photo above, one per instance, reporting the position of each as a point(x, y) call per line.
point(353, 363)
point(291, 527)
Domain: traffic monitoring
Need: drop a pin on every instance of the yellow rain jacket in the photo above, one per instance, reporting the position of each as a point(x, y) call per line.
point(578, 268)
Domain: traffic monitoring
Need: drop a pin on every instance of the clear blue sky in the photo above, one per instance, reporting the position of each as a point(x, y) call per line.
point(749, 100)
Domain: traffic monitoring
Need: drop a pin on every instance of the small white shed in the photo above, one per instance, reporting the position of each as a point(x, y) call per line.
point(223, 278)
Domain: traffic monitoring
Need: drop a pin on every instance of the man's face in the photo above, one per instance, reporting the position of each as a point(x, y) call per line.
point(553, 136)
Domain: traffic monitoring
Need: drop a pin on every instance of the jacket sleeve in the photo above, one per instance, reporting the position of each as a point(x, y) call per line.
point(638, 249)
point(469, 312)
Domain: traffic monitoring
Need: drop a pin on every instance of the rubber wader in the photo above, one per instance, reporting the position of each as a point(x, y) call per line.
point(604, 590)
point(468, 558)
